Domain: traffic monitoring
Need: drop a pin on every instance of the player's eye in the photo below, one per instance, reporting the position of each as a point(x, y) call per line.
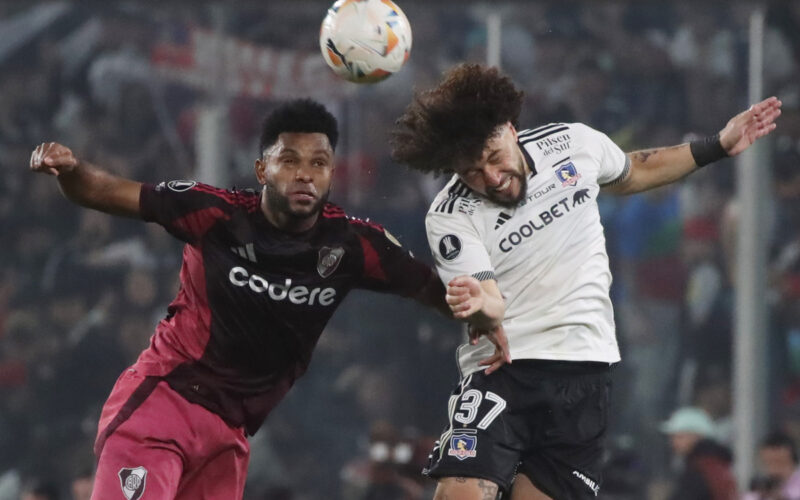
point(472, 173)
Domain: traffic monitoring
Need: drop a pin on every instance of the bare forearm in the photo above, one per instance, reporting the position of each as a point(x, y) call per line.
point(479, 303)
point(94, 188)
point(652, 168)
point(490, 315)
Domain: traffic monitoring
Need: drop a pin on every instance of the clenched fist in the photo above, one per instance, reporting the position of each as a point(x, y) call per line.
point(53, 158)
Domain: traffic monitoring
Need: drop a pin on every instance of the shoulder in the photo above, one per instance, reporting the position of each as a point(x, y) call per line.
point(247, 199)
point(541, 138)
point(335, 215)
point(365, 234)
point(456, 197)
point(528, 135)
point(555, 140)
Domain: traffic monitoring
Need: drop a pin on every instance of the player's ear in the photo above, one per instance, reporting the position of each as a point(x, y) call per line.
point(261, 170)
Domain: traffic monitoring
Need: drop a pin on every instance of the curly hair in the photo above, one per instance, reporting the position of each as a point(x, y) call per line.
point(450, 123)
point(298, 115)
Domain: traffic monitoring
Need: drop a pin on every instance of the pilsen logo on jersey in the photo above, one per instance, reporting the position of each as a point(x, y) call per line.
point(449, 247)
point(462, 446)
point(133, 482)
point(329, 259)
point(568, 174)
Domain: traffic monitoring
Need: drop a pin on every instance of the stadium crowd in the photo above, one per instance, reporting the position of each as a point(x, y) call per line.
point(80, 292)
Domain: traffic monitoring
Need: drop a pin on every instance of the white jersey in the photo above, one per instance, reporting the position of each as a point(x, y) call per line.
point(548, 254)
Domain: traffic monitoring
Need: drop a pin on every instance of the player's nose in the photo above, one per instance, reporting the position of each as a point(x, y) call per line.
point(303, 173)
point(492, 176)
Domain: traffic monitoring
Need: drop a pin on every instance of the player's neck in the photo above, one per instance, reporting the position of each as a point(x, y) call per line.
point(286, 222)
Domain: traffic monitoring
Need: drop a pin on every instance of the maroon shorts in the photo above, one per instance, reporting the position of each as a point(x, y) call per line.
point(153, 444)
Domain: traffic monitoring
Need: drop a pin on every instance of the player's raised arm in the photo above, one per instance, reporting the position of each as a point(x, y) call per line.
point(86, 184)
point(651, 168)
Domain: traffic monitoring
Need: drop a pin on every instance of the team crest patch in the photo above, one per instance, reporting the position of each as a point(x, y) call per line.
point(449, 247)
point(133, 482)
point(463, 446)
point(568, 175)
point(181, 186)
point(329, 259)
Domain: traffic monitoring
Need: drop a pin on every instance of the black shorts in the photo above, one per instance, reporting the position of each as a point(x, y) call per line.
point(544, 419)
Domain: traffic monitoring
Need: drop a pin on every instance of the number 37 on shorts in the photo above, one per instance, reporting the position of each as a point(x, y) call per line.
point(471, 411)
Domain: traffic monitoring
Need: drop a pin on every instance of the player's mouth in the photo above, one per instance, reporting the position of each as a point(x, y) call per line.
point(505, 185)
point(302, 195)
point(504, 188)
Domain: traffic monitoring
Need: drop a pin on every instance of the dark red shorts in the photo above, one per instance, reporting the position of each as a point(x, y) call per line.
point(153, 444)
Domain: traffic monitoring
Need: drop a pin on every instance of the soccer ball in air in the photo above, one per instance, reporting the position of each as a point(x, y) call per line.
point(365, 41)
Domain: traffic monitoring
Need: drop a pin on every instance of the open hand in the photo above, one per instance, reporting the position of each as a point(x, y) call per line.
point(745, 128)
point(496, 336)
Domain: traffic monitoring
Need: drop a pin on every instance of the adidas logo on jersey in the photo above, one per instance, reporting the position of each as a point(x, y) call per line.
point(245, 252)
point(502, 218)
point(456, 192)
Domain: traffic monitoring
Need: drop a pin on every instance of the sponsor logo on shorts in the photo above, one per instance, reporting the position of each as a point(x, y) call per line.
point(133, 482)
point(462, 446)
point(588, 482)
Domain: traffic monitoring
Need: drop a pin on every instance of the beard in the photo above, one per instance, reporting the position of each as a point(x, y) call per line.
point(279, 204)
point(510, 202)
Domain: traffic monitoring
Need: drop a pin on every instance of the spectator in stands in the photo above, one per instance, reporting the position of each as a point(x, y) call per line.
point(706, 465)
point(780, 474)
point(81, 486)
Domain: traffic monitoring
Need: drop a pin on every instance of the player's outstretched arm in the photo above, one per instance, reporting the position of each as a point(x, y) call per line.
point(433, 295)
point(85, 184)
point(652, 168)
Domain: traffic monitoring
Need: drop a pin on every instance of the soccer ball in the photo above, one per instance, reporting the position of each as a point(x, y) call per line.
point(365, 41)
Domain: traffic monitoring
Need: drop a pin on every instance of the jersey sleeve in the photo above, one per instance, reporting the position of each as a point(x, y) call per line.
point(186, 209)
point(457, 247)
point(614, 163)
point(387, 266)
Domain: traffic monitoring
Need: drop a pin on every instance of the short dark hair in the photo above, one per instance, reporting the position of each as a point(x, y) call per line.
point(298, 115)
point(450, 123)
point(780, 439)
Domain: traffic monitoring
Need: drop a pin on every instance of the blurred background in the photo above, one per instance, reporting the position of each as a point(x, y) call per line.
point(161, 90)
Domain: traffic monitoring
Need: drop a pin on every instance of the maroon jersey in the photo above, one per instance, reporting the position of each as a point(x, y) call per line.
point(254, 299)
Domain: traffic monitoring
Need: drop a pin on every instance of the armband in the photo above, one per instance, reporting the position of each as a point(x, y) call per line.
point(707, 150)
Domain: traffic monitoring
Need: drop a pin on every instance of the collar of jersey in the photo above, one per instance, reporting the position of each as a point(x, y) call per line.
point(265, 224)
point(528, 159)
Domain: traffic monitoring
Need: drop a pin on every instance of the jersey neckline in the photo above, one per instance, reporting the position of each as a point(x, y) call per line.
point(528, 159)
